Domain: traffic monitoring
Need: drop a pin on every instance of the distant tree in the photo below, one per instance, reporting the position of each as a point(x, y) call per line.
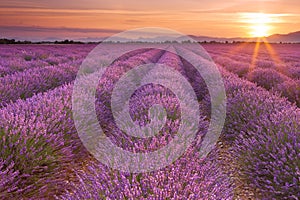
point(7, 41)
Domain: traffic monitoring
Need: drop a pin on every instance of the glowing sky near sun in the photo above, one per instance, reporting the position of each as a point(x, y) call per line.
point(97, 18)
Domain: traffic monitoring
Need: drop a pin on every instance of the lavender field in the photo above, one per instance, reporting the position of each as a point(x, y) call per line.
point(257, 155)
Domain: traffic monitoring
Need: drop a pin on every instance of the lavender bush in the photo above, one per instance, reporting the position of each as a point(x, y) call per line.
point(37, 140)
point(189, 177)
point(265, 130)
point(266, 78)
point(270, 156)
point(236, 67)
point(26, 84)
point(289, 89)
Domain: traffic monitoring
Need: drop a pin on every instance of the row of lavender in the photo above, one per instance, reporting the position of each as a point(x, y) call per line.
point(18, 58)
point(273, 67)
point(262, 131)
point(26, 70)
point(33, 77)
point(39, 144)
point(189, 177)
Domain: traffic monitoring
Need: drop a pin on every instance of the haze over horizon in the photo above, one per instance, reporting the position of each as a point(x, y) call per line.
point(41, 19)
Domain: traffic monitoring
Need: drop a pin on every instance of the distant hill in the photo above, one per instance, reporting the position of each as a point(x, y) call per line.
point(290, 37)
point(276, 38)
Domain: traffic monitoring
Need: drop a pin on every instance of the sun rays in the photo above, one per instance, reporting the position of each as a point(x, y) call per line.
point(259, 25)
point(278, 63)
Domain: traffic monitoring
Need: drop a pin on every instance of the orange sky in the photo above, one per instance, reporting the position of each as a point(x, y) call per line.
point(36, 19)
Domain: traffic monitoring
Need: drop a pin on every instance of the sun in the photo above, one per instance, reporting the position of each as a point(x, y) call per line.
point(258, 23)
point(259, 30)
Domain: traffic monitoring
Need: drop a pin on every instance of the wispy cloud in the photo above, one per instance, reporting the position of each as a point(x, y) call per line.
point(56, 29)
point(19, 11)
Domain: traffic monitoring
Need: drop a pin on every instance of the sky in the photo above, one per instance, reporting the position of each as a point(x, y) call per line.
point(72, 19)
